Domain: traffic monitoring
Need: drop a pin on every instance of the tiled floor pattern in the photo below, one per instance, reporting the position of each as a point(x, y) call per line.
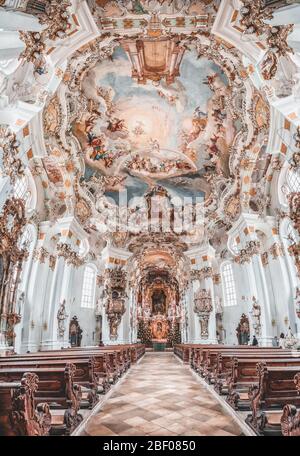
point(161, 397)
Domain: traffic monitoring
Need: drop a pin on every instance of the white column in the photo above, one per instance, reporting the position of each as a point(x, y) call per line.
point(193, 319)
point(50, 336)
point(33, 315)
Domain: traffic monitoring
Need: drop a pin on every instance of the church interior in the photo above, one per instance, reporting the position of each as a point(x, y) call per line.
point(150, 218)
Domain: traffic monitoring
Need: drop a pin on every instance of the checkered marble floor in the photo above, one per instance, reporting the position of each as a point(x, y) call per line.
point(161, 397)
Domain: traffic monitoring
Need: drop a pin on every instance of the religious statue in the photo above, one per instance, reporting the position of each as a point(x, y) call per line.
point(256, 313)
point(147, 312)
point(100, 304)
point(218, 305)
point(20, 303)
point(290, 341)
point(75, 333)
point(159, 330)
point(61, 317)
point(243, 331)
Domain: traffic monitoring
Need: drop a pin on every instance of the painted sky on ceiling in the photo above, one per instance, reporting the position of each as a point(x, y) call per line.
point(157, 121)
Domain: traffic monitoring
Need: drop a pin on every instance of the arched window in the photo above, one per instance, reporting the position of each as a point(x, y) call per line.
point(88, 288)
point(228, 283)
point(21, 189)
point(293, 179)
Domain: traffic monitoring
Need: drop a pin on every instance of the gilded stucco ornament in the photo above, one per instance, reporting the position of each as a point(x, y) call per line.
point(52, 117)
point(40, 255)
point(12, 223)
point(294, 206)
point(12, 165)
point(72, 258)
point(245, 255)
point(276, 250)
point(253, 16)
point(34, 51)
point(204, 273)
point(115, 297)
point(57, 19)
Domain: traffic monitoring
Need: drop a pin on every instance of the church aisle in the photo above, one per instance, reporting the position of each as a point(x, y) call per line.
point(161, 397)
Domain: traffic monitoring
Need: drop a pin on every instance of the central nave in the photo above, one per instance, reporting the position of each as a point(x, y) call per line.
point(160, 396)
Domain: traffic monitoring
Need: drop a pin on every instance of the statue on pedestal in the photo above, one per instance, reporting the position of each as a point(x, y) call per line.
point(20, 303)
point(243, 330)
point(147, 313)
point(75, 333)
point(256, 314)
point(61, 317)
point(290, 340)
point(170, 312)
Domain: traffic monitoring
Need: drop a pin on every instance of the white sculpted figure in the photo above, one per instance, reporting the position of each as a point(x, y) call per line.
point(61, 317)
point(290, 340)
point(20, 304)
point(256, 313)
point(147, 312)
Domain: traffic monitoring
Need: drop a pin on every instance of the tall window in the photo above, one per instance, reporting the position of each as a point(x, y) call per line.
point(88, 288)
point(293, 180)
point(21, 189)
point(228, 285)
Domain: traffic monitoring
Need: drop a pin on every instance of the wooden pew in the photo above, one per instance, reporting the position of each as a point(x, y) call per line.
point(208, 361)
point(132, 351)
point(85, 374)
point(183, 351)
point(200, 354)
point(244, 374)
point(225, 369)
point(122, 354)
point(18, 414)
point(95, 368)
point(56, 387)
point(277, 387)
point(107, 365)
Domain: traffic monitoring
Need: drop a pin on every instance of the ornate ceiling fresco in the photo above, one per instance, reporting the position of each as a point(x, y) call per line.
point(156, 102)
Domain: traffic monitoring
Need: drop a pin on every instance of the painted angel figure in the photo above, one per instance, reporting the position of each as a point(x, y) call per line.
point(154, 144)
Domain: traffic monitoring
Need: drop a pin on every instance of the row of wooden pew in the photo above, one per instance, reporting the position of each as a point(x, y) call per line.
point(262, 380)
point(43, 393)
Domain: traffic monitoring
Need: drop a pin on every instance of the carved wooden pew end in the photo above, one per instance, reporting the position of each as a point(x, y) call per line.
point(267, 423)
point(18, 414)
point(290, 421)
